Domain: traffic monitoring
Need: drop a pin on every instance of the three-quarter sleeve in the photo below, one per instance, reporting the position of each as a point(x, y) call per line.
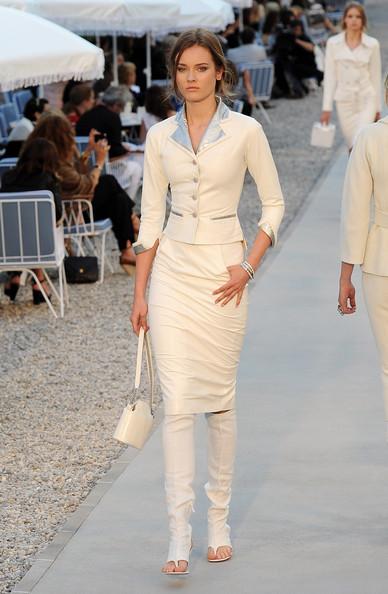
point(375, 74)
point(357, 194)
point(329, 80)
point(153, 201)
point(263, 170)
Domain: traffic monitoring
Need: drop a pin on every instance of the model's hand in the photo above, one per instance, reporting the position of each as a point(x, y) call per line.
point(347, 297)
point(325, 118)
point(234, 287)
point(377, 116)
point(139, 315)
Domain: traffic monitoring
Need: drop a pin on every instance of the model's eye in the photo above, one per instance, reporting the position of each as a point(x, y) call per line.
point(181, 68)
point(202, 68)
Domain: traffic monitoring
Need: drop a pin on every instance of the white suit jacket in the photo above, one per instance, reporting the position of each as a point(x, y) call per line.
point(364, 220)
point(206, 186)
point(351, 73)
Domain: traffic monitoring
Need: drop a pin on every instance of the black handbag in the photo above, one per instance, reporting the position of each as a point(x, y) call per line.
point(81, 269)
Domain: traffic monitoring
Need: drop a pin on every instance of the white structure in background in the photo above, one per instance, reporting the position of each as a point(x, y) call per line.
point(111, 17)
point(214, 15)
point(34, 51)
point(240, 3)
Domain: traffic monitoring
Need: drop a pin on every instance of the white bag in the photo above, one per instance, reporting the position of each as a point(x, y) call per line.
point(322, 136)
point(137, 418)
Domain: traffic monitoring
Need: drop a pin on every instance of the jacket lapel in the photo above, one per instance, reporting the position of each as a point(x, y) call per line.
point(212, 136)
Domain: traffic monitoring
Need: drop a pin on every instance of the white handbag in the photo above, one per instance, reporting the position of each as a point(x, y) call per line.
point(137, 418)
point(322, 136)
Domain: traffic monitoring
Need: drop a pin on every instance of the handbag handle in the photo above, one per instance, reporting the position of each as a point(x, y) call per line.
point(144, 339)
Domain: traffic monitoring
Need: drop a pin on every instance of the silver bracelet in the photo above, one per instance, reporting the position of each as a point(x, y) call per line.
point(248, 268)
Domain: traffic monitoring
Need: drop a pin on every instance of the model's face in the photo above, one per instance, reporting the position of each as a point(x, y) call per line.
point(353, 20)
point(196, 74)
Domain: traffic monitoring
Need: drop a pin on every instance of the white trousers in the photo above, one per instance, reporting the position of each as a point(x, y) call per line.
point(354, 115)
point(376, 297)
point(178, 443)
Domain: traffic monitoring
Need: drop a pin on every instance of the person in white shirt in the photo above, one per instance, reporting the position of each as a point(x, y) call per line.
point(249, 52)
point(352, 75)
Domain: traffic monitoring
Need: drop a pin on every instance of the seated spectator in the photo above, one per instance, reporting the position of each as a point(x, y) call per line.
point(31, 114)
point(157, 108)
point(254, 16)
point(109, 200)
point(127, 79)
point(37, 169)
point(248, 52)
point(81, 99)
point(106, 119)
point(294, 60)
point(304, 66)
point(269, 30)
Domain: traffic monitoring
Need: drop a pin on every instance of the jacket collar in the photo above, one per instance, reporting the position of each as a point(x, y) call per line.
point(213, 133)
point(366, 40)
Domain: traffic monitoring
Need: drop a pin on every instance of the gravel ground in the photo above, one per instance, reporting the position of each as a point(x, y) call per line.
point(63, 383)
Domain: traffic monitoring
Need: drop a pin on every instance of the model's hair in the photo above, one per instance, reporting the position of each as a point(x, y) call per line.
point(157, 102)
point(209, 41)
point(125, 71)
point(116, 96)
point(79, 94)
point(58, 129)
point(38, 155)
point(248, 35)
point(34, 106)
point(360, 9)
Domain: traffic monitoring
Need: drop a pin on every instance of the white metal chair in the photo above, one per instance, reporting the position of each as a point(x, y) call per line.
point(261, 75)
point(20, 98)
point(6, 164)
point(3, 128)
point(10, 113)
point(30, 240)
point(80, 227)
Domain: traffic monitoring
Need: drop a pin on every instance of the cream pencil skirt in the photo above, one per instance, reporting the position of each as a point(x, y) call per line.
point(376, 298)
point(354, 115)
point(196, 343)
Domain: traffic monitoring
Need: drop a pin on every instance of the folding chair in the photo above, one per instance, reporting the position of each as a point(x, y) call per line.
point(6, 164)
point(30, 239)
point(3, 128)
point(10, 114)
point(20, 98)
point(262, 75)
point(80, 226)
point(238, 105)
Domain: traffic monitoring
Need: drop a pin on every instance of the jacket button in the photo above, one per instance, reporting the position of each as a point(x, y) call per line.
point(194, 197)
point(195, 180)
point(194, 162)
point(195, 215)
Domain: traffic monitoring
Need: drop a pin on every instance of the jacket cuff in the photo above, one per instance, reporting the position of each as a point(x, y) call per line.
point(266, 227)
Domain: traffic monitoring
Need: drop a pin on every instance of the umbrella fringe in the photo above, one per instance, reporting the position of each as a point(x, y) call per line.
point(47, 79)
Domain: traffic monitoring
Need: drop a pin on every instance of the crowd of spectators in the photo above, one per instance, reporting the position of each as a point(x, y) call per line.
point(288, 33)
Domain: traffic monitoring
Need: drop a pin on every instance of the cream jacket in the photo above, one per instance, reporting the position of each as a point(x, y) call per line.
point(350, 74)
point(366, 178)
point(206, 186)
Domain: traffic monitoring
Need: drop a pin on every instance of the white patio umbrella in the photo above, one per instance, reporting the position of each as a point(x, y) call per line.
point(34, 51)
point(240, 3)
point(111, 17)
point(214, 15)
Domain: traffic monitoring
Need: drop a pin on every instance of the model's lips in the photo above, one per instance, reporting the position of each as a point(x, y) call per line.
point(192, 88)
